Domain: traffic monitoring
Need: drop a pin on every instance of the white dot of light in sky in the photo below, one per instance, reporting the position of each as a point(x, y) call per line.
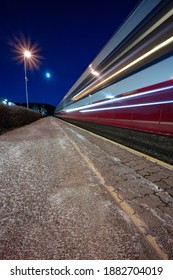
point(48, 75)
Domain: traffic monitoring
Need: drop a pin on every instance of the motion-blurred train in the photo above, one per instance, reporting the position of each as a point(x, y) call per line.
point(130, 82)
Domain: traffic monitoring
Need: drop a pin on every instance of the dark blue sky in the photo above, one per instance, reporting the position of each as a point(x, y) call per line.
point(70, 34)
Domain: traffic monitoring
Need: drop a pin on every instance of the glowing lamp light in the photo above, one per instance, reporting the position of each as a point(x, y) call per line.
point(94, 72)
point(27, 54)
point(110, 96)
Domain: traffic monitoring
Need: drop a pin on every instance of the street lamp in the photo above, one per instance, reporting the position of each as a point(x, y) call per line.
point(27, 55)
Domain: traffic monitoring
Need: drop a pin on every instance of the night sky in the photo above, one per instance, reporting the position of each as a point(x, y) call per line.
point(69, 35)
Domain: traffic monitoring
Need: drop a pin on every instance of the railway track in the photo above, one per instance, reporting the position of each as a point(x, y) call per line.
point(155, 145)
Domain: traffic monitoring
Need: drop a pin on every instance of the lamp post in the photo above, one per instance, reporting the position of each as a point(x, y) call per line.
point(27, 55)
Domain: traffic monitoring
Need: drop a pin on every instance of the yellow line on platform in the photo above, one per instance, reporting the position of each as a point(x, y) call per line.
point(137, 222)
point(140, 225)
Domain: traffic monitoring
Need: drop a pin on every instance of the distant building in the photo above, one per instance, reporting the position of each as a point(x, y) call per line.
point(6, 102)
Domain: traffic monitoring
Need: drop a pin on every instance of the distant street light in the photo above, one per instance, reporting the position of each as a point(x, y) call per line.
point(27, 55)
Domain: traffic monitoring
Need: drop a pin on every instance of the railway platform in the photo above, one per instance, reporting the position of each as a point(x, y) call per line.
point(67, 193)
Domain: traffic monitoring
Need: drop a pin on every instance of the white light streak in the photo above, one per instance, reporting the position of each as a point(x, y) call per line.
point(145, 34)
point(127, 106)
point(136, 61)
point(118, 99)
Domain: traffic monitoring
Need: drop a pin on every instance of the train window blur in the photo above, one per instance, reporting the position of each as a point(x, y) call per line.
point(135, 68)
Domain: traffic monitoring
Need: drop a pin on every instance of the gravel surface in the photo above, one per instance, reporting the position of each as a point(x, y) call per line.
point(55, 204)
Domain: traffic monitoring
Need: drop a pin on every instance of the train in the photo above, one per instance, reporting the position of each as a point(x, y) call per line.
point(129, 84)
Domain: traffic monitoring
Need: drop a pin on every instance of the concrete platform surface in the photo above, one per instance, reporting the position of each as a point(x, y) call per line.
point(66, 193)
